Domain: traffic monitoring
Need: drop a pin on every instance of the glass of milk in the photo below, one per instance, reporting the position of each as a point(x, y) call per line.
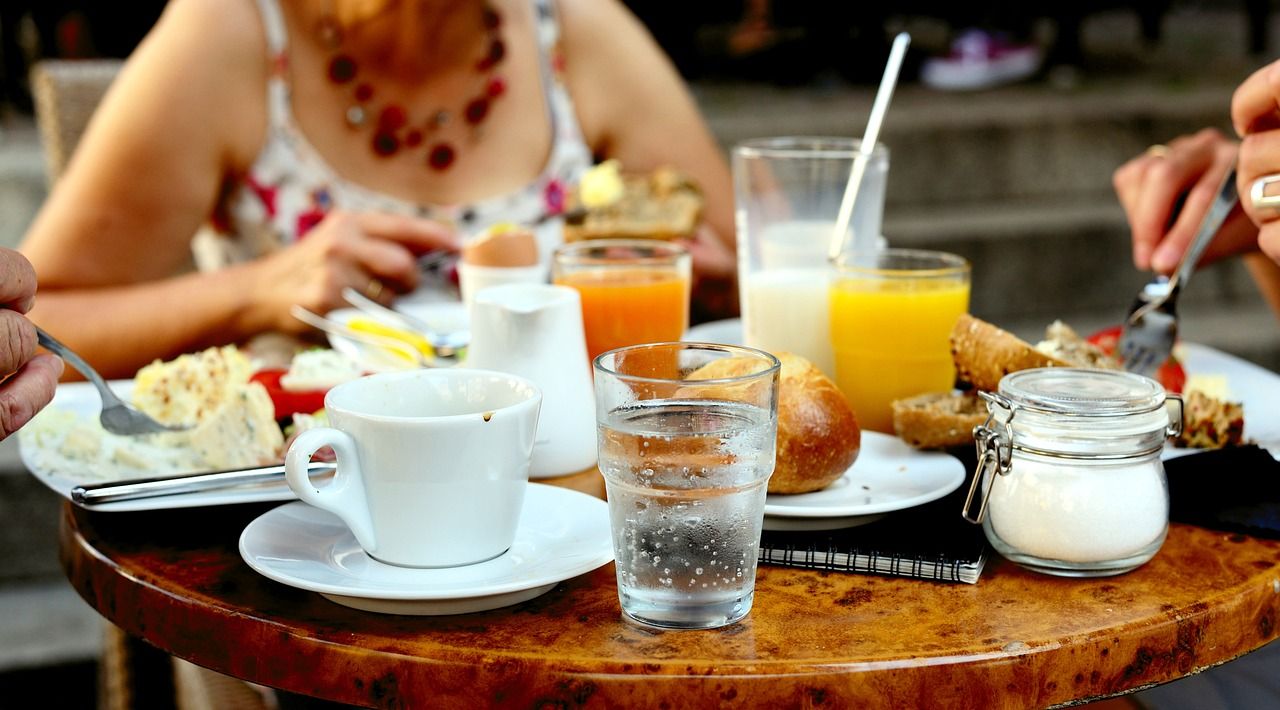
point(787, 194)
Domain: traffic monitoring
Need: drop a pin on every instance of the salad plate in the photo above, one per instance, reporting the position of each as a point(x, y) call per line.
point(56, 463)
point(562, 534)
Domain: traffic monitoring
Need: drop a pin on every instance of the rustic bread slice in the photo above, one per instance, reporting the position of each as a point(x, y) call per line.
point(663, 204)
point(939, 419)
point(984, 353)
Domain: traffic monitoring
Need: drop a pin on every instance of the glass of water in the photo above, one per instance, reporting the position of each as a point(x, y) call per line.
point(686, 437)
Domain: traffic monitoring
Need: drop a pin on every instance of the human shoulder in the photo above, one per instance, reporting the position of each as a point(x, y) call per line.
point(202, 57)
point(612, 66)
point(221, 30)
point(590, 26)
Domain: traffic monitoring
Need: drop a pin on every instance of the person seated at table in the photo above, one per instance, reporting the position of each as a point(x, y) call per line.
point(378, 130)
point(1190, 169)
point(27, 380)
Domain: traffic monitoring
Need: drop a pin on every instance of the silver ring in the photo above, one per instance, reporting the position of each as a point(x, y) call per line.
point(1258, 192)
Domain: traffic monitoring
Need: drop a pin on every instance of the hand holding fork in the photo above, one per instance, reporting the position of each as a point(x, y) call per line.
point(1149, 331)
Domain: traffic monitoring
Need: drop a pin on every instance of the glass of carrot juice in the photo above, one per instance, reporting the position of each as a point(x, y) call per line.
point(891, 315)
point(633, 291)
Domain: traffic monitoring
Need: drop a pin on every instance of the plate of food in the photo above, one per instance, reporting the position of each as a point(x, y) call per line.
point(235, 415)
point(828, 473)
point(1217, 388)
point(443, 316)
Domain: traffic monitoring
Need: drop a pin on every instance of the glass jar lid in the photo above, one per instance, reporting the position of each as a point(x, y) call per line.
point(1097, 414)
point(1082, 392)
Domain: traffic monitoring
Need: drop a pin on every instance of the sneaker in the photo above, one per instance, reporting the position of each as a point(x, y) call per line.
point(981, 60)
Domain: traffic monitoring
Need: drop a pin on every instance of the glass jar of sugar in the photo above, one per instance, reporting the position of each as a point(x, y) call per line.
point(1069, 463)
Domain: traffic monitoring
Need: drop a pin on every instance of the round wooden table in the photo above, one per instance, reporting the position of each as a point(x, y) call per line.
point(1017, 639)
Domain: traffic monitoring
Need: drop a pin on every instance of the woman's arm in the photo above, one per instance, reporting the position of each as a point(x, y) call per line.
point(186, 108)
point(633, 106)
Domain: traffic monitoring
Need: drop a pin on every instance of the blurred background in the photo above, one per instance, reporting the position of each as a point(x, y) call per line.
point(1007, 162)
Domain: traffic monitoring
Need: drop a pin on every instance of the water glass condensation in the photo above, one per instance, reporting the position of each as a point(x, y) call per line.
point(686, 443)
point(787, 193)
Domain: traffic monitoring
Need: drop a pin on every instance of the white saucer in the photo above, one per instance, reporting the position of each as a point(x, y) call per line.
point(888, 475)
point(562, 534)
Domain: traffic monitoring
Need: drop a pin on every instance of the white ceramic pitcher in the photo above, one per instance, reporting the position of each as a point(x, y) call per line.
point(535, 331)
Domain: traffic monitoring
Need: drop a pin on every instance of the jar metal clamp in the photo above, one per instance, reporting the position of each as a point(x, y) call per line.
point(995, 444)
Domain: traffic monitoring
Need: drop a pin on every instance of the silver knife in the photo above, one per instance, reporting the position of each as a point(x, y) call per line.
point(100, 493)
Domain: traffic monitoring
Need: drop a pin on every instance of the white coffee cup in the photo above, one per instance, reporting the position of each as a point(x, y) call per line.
point(432, 464)
point(473, 278)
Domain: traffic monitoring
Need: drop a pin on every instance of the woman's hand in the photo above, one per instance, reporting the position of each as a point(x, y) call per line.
point(29, 380)
point(1255, 112)
point(1189, 169)
point(375, 254)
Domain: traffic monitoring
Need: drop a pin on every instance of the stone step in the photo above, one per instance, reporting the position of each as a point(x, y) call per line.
point(46, 623)
point(29, 534)
point(1024, 142)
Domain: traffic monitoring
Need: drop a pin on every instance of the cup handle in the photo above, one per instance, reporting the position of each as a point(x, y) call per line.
point(344, 496)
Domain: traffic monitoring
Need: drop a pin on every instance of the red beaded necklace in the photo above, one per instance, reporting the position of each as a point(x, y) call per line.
point(393, 128)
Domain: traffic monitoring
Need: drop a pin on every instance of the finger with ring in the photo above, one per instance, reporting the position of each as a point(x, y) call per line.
point(374, 289)
point(1159, 150)
point(1258, 192)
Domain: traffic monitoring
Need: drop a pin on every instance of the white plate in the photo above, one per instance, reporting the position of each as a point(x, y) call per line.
point(562, 534)
point(82, 399)
point(1257, 388)
point(888, 475)
point(444, 316)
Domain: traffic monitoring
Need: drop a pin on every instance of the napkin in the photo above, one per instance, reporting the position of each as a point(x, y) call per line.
point(1234, 489)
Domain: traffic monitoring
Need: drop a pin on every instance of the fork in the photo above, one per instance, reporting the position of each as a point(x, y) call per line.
point(116, 417)
point(1148, 334)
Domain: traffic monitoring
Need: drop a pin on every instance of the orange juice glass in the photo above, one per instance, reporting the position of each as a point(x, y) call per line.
point(633, 291)
point(891, 315)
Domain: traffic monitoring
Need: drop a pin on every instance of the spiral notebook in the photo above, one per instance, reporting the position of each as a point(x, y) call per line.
point(931, 541)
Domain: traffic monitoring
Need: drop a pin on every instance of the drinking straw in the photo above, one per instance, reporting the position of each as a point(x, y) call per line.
point(878, 109)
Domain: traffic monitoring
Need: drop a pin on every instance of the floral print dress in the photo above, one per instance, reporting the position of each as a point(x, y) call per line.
point(290, 187)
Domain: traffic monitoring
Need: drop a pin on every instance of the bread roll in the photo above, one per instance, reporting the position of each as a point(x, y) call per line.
point(818, 434)
point(938, 420)
point(984, 353)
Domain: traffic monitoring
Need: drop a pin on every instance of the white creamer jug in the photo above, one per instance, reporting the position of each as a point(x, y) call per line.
point(535, 331)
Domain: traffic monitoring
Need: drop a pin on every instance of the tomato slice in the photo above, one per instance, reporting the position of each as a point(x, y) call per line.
point(1170, 374)
point(287, 402)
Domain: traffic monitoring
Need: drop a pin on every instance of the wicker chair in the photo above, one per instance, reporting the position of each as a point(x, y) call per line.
point(131, 672)
point(65, 93)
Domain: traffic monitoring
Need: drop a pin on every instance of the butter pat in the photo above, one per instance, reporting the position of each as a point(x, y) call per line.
point(602, 185)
